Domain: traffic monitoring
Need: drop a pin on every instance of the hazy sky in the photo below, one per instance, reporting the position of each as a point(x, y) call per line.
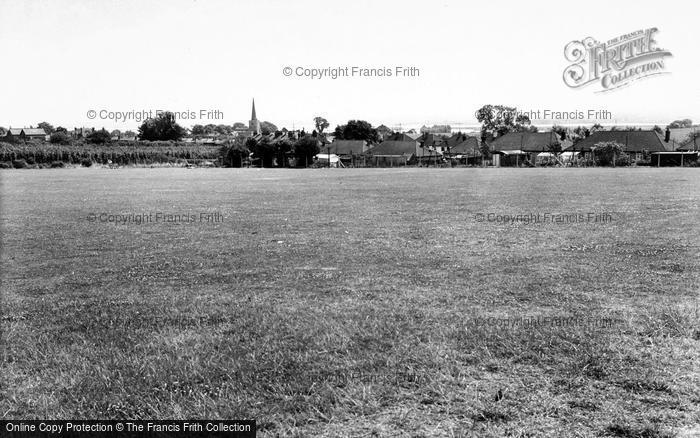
point(64, 58)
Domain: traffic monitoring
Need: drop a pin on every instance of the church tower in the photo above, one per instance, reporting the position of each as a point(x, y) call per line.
point(254, 124)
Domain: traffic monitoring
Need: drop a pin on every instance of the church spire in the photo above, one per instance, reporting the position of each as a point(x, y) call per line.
point(254, 124)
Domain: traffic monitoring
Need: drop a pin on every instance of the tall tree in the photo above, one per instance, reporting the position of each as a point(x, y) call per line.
point(47, 127)
point(305, 149)
point(357, 130)
point(321, 124)
point(162, 127)
point(497, 120)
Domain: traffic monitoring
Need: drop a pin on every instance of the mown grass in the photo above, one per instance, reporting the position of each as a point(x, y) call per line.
point(347, 302)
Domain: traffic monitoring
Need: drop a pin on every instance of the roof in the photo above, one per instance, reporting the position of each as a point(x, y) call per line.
point(632, 141)
point(679, 136)
point(399, 136)
point(469, 146)
point(347, 147)
point(405, 148)
point(27, 131)
point(34, 131)
point(525, 141)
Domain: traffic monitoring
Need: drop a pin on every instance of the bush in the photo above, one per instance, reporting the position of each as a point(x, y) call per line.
point(59, 137)
point(57, 164)
point(610, 154)
point(5, 165)
point(86, 163)
point(19, 164)
point(99, 137)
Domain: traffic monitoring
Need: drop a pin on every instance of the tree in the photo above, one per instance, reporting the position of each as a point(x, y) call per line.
point(233, 155)
point(2, 131)
point(485, 150)
point(320, 124)
point(223, 129)
point(561, 131)
point(47, 127)
point(684, 123)
point(579, 133)
point(264, 150)
point(239, 125)
point(305, 149)
point(99, 137)
point(608, 153)
point(61, 129)
point(197, 130)
point(357, 130)
point(554, 148)
point(658, 129)
point(116, 133)
point(59, 137)
point(161, 128)
point(497, 120)
point(129, 134)
point(597, 127)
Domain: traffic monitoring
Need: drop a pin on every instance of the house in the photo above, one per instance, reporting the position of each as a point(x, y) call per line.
point(515, 148)
point(24, 134)
point(391, 153)
point(466, 151)
point(347, 148)
point(636, 144)
point(677, 138)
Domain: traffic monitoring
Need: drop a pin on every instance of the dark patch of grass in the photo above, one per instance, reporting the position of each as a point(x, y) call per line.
point(630, 431)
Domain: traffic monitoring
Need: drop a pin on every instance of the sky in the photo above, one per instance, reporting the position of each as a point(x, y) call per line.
point(64, 59)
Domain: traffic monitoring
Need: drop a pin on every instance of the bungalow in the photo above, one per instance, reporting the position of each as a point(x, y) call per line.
point(390, 153)
point(466, 151)
point(347, 148)
point(636, 144)
point(515, 148)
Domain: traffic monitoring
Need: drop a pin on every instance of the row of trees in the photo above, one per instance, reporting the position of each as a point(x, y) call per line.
point(270, 152)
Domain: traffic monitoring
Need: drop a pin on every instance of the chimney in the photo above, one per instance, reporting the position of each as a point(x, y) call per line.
point(668, 135)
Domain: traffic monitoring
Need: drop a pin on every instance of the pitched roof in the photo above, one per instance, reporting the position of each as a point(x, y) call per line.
point(406, 148)
point(27, 131)
point(632, 141)
point(399, 136)
point(469, 146)
point(680, 135)
point(525, 141)
point(34, 131)
point(347, 147)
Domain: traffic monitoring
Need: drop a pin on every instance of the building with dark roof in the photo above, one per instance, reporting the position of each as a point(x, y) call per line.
point(636, 144)
point(347, 148)
point(515, 148)
point(23, 134)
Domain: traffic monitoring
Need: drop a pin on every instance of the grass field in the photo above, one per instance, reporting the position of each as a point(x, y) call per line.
point(339, 302)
